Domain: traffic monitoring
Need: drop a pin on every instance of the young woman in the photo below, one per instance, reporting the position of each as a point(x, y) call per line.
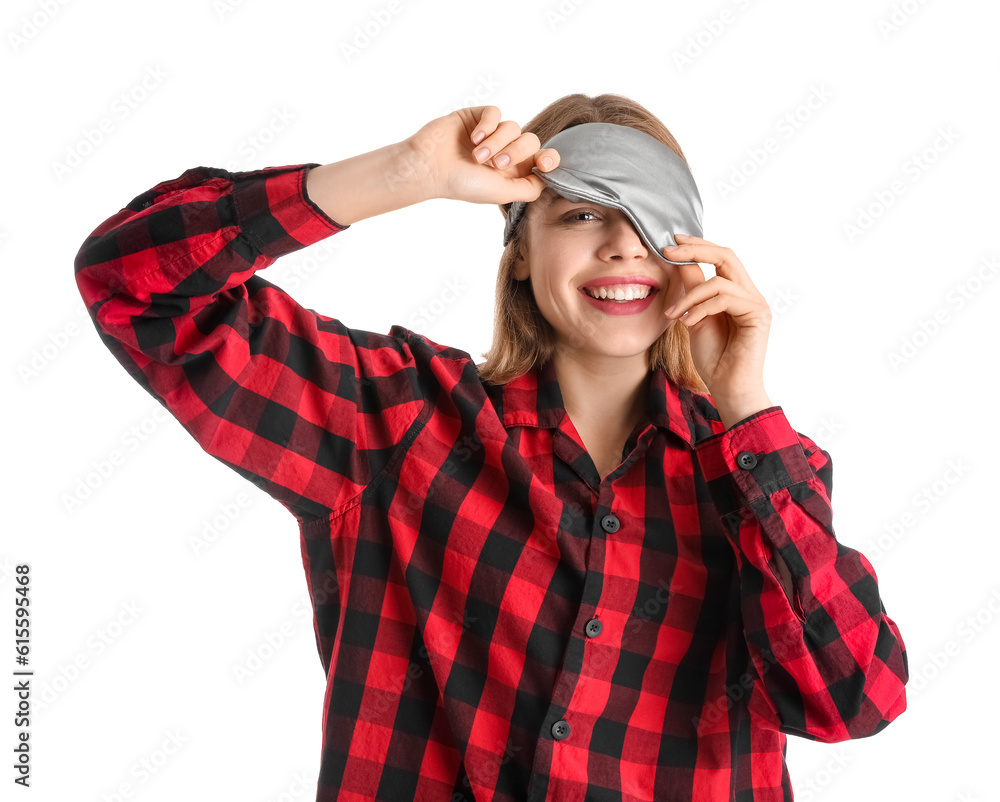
point(600, 565)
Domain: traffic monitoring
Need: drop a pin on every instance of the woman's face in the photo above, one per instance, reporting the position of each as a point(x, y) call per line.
point(572, 245)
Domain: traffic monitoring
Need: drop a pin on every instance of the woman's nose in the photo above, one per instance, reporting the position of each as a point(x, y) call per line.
point(623, 240)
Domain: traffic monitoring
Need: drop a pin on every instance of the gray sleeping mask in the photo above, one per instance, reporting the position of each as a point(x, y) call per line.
point(627, 169)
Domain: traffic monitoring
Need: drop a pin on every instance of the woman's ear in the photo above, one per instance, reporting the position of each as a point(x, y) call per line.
point(522, 260)
point(521, 271)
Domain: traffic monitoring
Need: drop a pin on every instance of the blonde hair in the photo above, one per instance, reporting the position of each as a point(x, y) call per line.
point(522, 337)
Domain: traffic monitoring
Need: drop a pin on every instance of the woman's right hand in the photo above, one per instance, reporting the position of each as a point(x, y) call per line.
point(444, 152)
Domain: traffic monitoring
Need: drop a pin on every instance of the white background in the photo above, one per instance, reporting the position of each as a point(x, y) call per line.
point(856, 98)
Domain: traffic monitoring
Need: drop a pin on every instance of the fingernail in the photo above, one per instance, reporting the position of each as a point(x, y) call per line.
point(482, 153)
point(546, 162)
point(501, 160)
point(671, 309)
point(671, 247)
point(478, 137)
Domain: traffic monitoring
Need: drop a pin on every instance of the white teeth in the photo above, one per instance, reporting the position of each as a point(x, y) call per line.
point(620, 292)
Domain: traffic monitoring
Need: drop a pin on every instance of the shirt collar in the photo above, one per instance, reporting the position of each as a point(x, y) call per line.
point(534, 399)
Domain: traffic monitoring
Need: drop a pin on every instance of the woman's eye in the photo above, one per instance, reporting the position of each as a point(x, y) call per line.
point(576, 215)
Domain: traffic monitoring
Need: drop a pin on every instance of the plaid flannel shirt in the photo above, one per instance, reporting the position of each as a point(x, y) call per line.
point(494, 620)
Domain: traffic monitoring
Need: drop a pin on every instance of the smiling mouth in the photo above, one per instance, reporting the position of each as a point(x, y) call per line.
point(621, 295)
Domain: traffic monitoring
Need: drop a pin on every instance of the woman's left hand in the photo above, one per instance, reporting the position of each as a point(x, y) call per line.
point(727, 318)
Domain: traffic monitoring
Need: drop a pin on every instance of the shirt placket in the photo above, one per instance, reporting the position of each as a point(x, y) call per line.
point(582, 685)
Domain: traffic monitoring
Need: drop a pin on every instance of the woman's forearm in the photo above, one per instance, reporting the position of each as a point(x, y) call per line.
point(370, 184)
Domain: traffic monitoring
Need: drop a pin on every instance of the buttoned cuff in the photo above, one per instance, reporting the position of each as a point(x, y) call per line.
point(274, 212)
point(762, 454)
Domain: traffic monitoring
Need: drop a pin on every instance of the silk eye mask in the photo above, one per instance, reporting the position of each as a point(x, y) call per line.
point(624, 168)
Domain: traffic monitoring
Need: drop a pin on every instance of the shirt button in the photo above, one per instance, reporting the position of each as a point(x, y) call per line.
point(593, 628)
point(610, 523)
point(746, 460)
point(560, 729)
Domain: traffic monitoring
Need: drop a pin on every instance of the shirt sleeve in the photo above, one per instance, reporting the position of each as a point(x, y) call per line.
point(307, 409)
point(830, 664)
